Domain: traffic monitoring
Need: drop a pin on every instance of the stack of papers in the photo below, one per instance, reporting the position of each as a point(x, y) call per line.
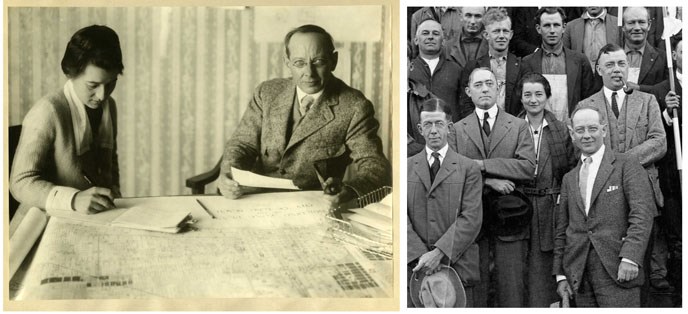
point(145, 218)
point(169, 220)
point(374, 221)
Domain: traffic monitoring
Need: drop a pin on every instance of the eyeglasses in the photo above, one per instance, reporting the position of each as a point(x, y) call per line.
point(437, 124)
point(300, 63)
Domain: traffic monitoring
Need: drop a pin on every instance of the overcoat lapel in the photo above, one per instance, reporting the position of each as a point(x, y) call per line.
point(422, 169)
point(472, 128)
point(448, 166)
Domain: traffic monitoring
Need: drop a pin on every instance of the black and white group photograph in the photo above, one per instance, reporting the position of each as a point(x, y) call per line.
point(543, 156)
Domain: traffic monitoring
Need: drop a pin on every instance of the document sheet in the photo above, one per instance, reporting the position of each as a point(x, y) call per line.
point(263, 245)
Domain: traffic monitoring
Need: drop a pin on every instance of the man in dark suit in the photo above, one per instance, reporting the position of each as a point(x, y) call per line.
point(568, 72)
point(433, 69)
point(505, 65)
point(603, 222)
point(647, 65)
point(444, 204)
point(290, 124)
point(526, 38)
point(469, 45)
point(503, 148)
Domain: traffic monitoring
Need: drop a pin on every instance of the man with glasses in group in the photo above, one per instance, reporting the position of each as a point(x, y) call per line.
point(292, 124)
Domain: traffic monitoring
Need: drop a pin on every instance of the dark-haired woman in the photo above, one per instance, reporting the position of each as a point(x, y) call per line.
point(66, 159)
point(554, 157)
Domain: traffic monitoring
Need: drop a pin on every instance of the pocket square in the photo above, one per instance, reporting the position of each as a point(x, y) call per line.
point(612, 188)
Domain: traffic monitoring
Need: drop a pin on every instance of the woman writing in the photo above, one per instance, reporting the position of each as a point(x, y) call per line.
point(66, 158)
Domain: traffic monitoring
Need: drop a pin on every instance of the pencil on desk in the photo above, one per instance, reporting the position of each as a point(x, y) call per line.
point(205, 208)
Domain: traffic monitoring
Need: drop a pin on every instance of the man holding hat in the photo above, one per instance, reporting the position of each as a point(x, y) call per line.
point(444, 216)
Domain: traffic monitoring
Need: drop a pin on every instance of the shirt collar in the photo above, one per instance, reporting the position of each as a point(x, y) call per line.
point(500, 58)
point(300, 94)
point(600, 16)
point(544, 121)
point(597, 156)
point(442, 151)
point(492, 111)
point(608, 93)
point(556, 51)
point(679, 76)
point(641, 50)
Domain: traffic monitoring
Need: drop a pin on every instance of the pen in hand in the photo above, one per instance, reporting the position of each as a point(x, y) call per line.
point(206, 209)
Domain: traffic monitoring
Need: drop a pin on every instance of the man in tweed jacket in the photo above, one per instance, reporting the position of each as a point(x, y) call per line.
point(290, 124)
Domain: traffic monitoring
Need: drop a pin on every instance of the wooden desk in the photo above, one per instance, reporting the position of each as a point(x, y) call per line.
point(264, 245)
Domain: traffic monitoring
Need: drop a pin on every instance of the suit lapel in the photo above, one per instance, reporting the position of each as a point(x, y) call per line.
point(422, 169)
point(511, 68)
point(603, 174)
point(316, 118)
point(449, 165)
point(499, 131)
point(649, 57)
point(610, 28)
point(472, 129)
point(281, 115)
point(632, 107)
point(537, 61)
point(598, 100)
point(580, 202)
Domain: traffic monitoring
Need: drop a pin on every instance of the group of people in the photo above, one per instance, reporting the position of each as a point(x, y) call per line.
point(541, 162)
point(66, 158)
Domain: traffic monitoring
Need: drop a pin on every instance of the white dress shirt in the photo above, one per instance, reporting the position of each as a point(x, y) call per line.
point(620, 96)
point(492, 112)
point(442, 151)
point(592, 174)
point(432, 63)
point(301, 94)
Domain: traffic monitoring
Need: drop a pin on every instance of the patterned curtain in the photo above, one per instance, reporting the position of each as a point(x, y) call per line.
point(188, 77)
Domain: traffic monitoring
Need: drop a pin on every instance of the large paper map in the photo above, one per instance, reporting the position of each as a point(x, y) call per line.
point(270, 245)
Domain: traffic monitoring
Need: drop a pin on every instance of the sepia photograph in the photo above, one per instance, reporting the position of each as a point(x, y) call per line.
point(543, 156)
point(219, 156)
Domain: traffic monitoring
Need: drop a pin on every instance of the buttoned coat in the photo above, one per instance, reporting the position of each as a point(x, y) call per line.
point(579, 76)
point(445, 213)
point(638, 131)
point(574, 34)
point(512, 101)
point(339, 126)
point(617, 225)
point(510, 154)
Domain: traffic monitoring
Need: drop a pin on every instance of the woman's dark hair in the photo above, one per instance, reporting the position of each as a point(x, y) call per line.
point(532, 77)
point(95, 44)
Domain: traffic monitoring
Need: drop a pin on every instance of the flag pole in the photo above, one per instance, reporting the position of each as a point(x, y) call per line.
point(674, 119)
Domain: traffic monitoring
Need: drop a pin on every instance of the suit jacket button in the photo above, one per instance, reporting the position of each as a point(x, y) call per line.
point(590, 232)
point(431, 197)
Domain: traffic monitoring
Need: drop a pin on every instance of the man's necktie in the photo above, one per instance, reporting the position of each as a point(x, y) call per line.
point(435, 166)
point(306, 104)
point(583, 180)
point(486, 125)
point(615, 106)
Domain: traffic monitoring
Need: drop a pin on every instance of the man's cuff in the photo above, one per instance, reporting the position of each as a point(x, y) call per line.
point(60, 198)
point(667, 117)
point(623, 259)
point(560, 278)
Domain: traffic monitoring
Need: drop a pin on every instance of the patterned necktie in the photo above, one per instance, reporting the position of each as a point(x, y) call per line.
point(583, 180)
point(486, 124)
point(615, 106)
point(435, 166)
point(306, 104)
